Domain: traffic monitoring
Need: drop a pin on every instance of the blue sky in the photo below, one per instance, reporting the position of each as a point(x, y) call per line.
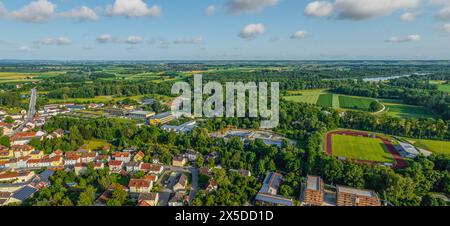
point(230, 30)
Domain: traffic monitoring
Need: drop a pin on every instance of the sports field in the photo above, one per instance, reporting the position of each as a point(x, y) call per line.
point(361, 148)
point(435, 146)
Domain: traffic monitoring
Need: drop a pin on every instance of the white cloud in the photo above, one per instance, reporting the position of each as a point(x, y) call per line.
point(82, 13)
point(439, 2)
point(358, 9)
point(443, 14)
point(445, 28)
point(408, 17)
point(104, 38)
point(132, 8)
point(210, 10)
point(134, 39)
point(366, 9)
point(35, 12)
point(25, 49)
point(195, 41)
point(252, 30)
point(319, 9)
point(299, 34)
point(409, 38)
point(248, 6)
point(55, 41)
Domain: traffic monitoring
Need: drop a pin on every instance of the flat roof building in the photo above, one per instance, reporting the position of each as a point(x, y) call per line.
point(347, 196)
point(162, 118)
point(313, 194)
point(141, 115)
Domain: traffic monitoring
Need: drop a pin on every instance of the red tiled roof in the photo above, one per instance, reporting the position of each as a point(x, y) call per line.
point(121, 154)
point(150, 167)
point(115, 163)
point(138, 183)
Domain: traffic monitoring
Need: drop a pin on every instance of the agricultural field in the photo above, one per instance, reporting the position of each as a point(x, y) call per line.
point(361, 148)
point(325, 100)
point(435, 146)
point(444, 88)
point(355, 102)
point(7, 77)
point(397, 109)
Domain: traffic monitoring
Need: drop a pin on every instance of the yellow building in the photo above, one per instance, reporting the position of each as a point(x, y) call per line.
point(162, 118)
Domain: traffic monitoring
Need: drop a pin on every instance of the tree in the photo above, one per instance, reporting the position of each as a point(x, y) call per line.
point(87, 197)
point(9, 119)
point(119, 196)
point(5, 141)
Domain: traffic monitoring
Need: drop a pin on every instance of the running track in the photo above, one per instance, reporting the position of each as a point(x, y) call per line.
point(399, 161)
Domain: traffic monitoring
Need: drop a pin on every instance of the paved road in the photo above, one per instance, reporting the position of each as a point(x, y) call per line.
point(31, 111)
point(194, 185)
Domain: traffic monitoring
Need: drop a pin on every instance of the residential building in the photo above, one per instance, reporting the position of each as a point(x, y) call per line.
point(191, 155)
point(151, 168)
point(148, 199)
point(140, 186)
point(347, 196)
point(122, 156)
point(139, 157)
point(21, 150)
point(181, 183)
point(313, 193)
point(179, 161)
point(7, 128)
point(132, 167)
point(16, 177)
point(22, 138)
point(23, 194)
point(115, 166)
point(211, 186)
point(179, 199)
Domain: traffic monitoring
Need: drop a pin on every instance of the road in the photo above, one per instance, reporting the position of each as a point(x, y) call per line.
point(30, 113)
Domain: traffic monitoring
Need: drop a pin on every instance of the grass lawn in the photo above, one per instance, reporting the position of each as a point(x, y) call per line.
point(398, 109)
point(95, 144)
point(97, 99)
point(355, 102)
point(361, 148)
point(435, 146)
point(325, 100)
point(444, 88)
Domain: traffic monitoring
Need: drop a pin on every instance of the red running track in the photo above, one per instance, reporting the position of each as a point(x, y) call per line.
point(399, 161)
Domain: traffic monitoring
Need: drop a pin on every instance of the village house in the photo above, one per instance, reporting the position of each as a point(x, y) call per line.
point(151, 177)
point(22, 162)
point(56, 153)
point(151, 168)
point(21, 150)
point(99, 165)
point(148, 199)
point(55, 134)
point(5, 153)
point(88, 157)
point(122, 156)
point(106, 158)
point(179, 161)
point(17, 177)
point(139, 156)
point(22, 138)
point(140, 186)
point(71, 160)
point(180, 185)
point(36, 154)
point(132, 167)
point(115, 166)
point(7, 128)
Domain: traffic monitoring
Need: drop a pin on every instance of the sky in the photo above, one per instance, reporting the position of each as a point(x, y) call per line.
point(225, 29)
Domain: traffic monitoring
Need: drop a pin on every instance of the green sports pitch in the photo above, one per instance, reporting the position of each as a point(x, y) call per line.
point(361, 148)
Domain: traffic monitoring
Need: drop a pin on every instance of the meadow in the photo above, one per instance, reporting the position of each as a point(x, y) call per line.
point(397, 109)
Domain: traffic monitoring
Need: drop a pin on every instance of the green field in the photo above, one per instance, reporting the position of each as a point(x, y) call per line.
point(444, 88)
point(361, 148)
point(95, 144)
point(7, 77)
point(325, 100)
point(355, 102)
point(304, 96)
point(435, 146)
point(398, 109)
